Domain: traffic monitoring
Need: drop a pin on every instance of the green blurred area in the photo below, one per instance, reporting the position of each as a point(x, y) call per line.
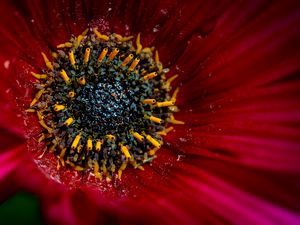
point(23, 209)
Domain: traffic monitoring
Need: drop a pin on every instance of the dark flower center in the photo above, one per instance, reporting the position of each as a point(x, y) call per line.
point(103, 103)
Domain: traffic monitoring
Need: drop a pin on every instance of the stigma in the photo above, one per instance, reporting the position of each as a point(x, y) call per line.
point(104, 104)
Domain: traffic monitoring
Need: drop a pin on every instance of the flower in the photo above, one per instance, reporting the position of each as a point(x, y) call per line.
point(235, 161)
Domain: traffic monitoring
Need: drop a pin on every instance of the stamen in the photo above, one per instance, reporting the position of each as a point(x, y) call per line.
point(165, 132)
point(168, 82)
point(122, 168)
point(127, 60)
point(134, 64)
point(96, 170)
point(37, 97)
point(172, 120)
point(47, 62)
point(39, 76)
point(65, 45)
point(82, 81)
point(149, 101)
point(43, 124)
point(71, 94)
point(89, 144)
point(98, 145)
point(111, 137)
point(80, 38)
point(139, 137)
point(153, 141)
point(155, 119)
point(138, 44)
point(72, 58)
point(174, 96)
point(125, 151)
point(69, 121)
point(58, 108)
point(100, 36)
point(76, 141)
point(150, 76)
point(87, 55)
point(64, 76)
point(102, 54)
point(164, 104)
point(113, 54)
point(123, 39)
point(153, 151)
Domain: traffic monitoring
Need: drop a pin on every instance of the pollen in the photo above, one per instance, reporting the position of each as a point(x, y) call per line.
point(103, 103)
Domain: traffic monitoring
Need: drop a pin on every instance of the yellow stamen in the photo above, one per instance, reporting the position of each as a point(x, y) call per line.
point(98, 145)
point(47, 62)
point(100, 36)
point(155, 119)
point(149, 101)
point(72, 58)
point(153, 151)
point(71, 94)
point(62, 153)
point(76, 141)
point(79, 148)
point(174, 96)
point(134, 64)
point(127, 60)
point(58, 108)
point(80, 37)
point(150, 76)
point(156, 57)
point(89, 144)
point(102, 54)
point(42, 137)
point(96, 170)
point(39, 76)
point(37, 97)
point(87, 55)
point(122, 167)
point(65, 45)
point(113, 54)
point(174, 121)
point(43, 124)
point(164, 104)
point(40, 116)
point(125, 151)
point(79, 168)
point(69, 121)
point(122, 39)
point(153, 141)
point(82, 81)
point(138, 136)
point(64, 76)
point(148, 50)
point(165, 132)
point(111, 137)
point(139, 47)
point(168, 82)
point(30, 110)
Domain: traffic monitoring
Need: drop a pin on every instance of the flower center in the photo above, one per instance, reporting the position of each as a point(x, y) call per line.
point(103, 104)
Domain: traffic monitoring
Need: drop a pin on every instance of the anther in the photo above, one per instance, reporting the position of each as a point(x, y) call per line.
point(149, 101)
point(89, 144)
point(96, 170)
point(164, 104)
point(153, 141)
point(113, 54)
point(155, 119)
point(139, 137)
point(125, 151)
point(102, 54)
point(76, 141)
point(127, 60)
point(111, 137)
point(58, 108)
point(43, 124)
point(168, 82)
point(39, 76)
point(150, 76)
point(174, 121)
point(165, 132)
point(64, 76)
point(65, 45)
point(98, 145)
point(122, 168)
point(134, 64)
point(69, 121)
point(174, 96)
point(72, 58)
point(71, 94)
point(87, 55)
point(152, 152)
point(82, 80)
point(47, 62)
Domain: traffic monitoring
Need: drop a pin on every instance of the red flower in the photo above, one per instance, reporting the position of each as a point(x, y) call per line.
point(236, 161)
